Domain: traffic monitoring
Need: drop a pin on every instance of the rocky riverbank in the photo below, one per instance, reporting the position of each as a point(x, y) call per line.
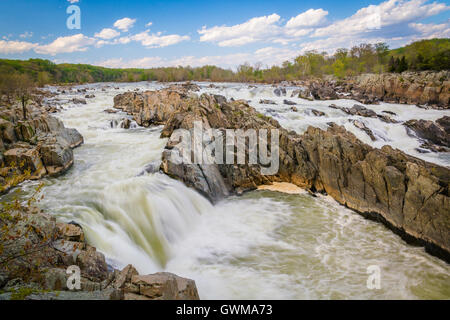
point(36, 253)
point(36, 250)
point(35, 146)
point(426, 89)
point(407, 194)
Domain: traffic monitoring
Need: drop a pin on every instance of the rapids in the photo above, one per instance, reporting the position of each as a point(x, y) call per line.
point(263, 245)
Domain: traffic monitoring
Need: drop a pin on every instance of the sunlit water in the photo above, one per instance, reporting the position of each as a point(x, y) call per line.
point(263, 245)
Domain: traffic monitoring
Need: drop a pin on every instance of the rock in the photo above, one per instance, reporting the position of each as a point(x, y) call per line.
point(56, 155)
point(26, 159)
point(165, 286)
point(263, 101)
point(384, 184)
point(125, 123)
point(79, 101)
point(187, 290)
point(289, 103)
point(89, 96)
point(151, 168)
point(317, 113)
point(390, 112)
point(294, 109)
point(362, 111)
point(423, 88)
point(323, 92)
point(364, 128)
point(386, 118)
point(7, 132)
point(124, 277)
point(280, 92)
point(111, 111)
point(92, 264)
point(435, 132)
point(70, 232)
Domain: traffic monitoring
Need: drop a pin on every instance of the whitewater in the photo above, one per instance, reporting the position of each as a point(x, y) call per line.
point(262, 245)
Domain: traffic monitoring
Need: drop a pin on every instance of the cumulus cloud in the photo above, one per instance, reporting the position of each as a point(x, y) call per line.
point(9, 47)
point(310, 18)
point(75, 43)
point(313, 24)
point(385, 14)
point(255, 29)
point(107, 33)
point(125, 24)
point(431, 30)
point(158, 40)
point(149, 24)
point(73, 1)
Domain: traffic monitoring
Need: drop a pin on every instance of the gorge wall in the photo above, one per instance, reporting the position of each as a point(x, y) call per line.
point(409, 195)
point(426, 88)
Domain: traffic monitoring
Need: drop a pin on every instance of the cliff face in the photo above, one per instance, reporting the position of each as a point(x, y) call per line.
point(36, 253)
point(33, 147)
point(422, 88)
point(427, 88)
point(409, 195)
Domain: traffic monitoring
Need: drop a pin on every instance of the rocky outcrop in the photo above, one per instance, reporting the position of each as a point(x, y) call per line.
point(409, 195)
point(37, 251)
point(436, 134)
point(427, 88)
point(34, 147)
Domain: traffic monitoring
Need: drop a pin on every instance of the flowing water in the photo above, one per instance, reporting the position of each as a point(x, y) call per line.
point(263, 245)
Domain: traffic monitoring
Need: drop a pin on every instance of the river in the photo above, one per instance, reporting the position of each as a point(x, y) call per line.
point(262, 245)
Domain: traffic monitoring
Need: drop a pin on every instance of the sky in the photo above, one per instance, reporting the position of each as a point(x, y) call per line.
point(154, 33)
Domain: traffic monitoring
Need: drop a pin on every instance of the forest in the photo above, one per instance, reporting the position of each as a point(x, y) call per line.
point(431, 54)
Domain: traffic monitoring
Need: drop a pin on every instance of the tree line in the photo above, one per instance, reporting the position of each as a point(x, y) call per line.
point(431, 54)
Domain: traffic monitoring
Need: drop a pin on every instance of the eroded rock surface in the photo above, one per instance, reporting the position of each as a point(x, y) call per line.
point(33, 147)
point(409, 195)
point(34, 264)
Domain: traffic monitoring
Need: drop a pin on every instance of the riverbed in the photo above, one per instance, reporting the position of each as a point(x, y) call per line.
point(262, 245)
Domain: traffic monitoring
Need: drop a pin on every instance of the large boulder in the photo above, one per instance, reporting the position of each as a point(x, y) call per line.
point(165, 286)
point(437, 133)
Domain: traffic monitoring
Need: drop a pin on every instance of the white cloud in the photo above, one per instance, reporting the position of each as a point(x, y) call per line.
point(73, 1)
point(107, 34)
point(78, 42)
point(432, 30)
point(149, 24)
point(310, 18)
point(253, 30)
point(124, 24)
point(8, 47)
point(157, 40)
point(385, 14)
point(26, 34)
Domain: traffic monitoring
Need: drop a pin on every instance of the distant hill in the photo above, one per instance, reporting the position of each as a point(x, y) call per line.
point(431, 54)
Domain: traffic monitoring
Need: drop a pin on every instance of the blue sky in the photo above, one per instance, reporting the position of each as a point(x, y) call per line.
point(119, 33)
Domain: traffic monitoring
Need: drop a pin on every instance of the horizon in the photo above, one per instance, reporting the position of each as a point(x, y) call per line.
point(143, 35)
